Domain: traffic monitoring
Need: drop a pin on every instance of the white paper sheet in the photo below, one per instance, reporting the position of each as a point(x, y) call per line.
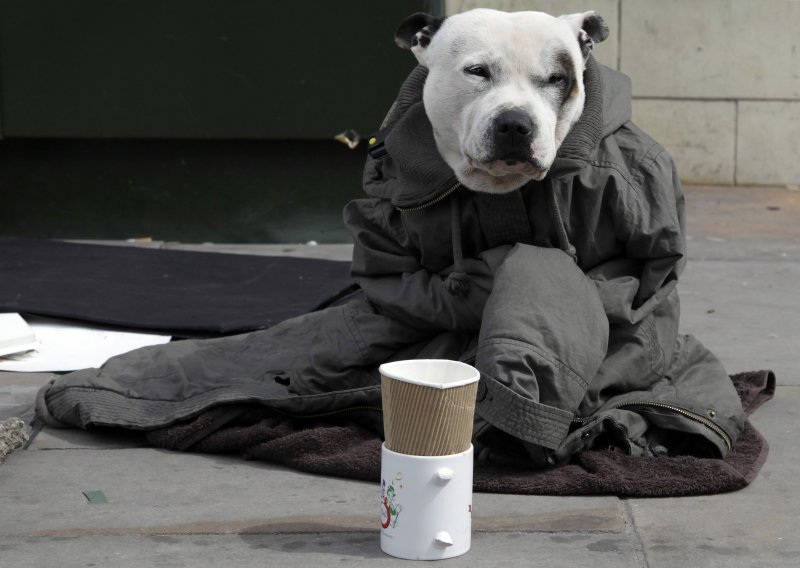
point(16, 335)
point(69, 347)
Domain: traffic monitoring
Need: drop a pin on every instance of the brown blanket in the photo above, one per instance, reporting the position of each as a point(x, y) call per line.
point(350, 449)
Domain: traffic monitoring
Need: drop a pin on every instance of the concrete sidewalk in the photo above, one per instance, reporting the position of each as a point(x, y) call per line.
point(740, 297)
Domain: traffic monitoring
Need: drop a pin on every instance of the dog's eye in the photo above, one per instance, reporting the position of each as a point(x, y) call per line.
point(477, 70)
point(556, 79)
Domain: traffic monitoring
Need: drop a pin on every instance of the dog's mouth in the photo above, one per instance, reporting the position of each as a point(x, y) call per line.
point(511, 167)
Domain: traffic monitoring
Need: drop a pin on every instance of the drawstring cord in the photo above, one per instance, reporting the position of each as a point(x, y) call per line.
point(457, 282)
point(561, 231)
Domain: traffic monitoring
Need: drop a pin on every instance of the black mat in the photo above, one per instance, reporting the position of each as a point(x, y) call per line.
point(165, 290)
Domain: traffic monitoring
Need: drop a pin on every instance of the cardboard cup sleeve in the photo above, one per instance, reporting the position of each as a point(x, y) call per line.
point(428, 406)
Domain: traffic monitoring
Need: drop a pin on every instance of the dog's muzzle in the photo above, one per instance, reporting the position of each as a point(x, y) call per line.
point(512, 134)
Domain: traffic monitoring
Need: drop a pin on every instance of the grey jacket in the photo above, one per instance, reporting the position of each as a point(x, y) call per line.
point(563, 294)
point(577, 325)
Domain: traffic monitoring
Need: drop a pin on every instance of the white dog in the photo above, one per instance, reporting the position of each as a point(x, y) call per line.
point(503, 89)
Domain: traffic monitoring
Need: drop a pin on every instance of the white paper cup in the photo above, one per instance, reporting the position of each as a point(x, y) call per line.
point(428, 406)
point(426, 505)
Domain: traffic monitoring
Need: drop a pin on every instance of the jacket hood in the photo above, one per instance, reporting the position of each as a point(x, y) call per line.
point(413, 172)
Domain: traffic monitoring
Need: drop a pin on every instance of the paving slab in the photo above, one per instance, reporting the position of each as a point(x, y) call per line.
point(326, 252)
point(343, 549)
point(739, 290)
point(18, 393)
point(94, 439)
point(702, 248)
point(739, 214)
point(150, 491)
point(746, 313)
point(342, 251)
point(32, 380)
point(754, 527)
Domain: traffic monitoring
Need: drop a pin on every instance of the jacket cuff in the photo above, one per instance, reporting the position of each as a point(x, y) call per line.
point(521, 417)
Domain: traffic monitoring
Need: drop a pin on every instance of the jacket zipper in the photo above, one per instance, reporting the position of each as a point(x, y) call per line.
point(683, 412)
point(433, 201)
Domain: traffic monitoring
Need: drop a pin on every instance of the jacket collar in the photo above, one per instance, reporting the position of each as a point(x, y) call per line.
point(581, 141)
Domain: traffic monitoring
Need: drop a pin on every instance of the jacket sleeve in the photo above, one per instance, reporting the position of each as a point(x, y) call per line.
point(651, 225)
point(387, 266)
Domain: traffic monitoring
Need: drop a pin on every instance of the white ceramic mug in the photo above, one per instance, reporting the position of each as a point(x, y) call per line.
point(426, 505)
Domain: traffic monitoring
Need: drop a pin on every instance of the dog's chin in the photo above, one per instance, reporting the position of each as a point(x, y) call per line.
point(498, 176)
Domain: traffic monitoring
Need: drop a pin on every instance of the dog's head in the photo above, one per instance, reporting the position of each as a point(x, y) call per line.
point(503, 89)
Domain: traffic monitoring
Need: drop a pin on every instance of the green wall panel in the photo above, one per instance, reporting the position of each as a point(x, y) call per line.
point(248, 191)
point(191, 120)
point(199, 68)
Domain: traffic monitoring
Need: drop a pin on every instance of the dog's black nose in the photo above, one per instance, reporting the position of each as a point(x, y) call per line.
point(512, 132)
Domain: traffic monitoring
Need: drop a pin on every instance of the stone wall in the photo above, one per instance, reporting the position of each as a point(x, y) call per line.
point(716, 81)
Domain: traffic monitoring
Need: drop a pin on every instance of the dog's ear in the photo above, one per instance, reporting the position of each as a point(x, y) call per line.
point(416, 32)
point(590, 28)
